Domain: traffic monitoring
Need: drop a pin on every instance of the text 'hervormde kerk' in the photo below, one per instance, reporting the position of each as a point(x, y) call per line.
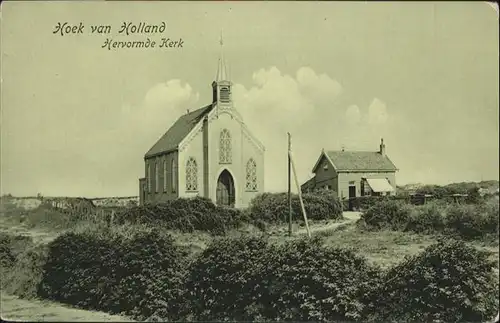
point(164, 43)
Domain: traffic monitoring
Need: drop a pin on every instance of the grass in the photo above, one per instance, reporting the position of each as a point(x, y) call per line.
point(16, 309)
point(385, 248)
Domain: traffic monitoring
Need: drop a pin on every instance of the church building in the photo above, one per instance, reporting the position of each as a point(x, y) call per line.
point(207, 152)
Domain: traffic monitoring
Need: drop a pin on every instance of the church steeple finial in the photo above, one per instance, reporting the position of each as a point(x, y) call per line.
point(221, 68)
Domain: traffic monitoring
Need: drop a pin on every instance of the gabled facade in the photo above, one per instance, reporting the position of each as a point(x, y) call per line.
point(208, 152)
point(353, 173)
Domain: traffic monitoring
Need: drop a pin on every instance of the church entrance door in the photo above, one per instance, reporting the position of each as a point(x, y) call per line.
point(225, 194)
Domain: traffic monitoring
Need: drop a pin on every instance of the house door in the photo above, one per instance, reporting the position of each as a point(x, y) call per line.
point(225, 189)
point(352, 195)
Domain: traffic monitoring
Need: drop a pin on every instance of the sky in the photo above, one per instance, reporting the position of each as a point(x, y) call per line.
point(77, 119)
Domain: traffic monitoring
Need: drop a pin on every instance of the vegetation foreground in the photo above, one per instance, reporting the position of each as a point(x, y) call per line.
point(169, 270)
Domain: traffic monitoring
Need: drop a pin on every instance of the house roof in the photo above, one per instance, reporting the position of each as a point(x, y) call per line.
point(360, 161)
point(178, 131)
point(357, 161)
point(309, 182)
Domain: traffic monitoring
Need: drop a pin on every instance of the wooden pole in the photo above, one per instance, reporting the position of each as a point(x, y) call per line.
point(289, 187)
point(300, 194)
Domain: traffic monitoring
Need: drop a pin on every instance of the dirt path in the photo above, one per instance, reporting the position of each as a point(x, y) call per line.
point(16, 309)
point(349, 217)
point(39, 235)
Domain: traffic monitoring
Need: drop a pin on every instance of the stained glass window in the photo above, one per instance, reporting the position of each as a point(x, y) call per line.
point(164, 176)
point(148, 176)
point(225, 147)
point(191, 175)
point(157, 178)
point(174, 176)
point(251, 178)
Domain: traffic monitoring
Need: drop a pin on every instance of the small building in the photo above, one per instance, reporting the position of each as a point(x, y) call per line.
point(208, 152)
point(354, 173)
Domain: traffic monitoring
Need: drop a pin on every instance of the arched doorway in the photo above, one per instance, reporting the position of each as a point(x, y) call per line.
point(225, 194)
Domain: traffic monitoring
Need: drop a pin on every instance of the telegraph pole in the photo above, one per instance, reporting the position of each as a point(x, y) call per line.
point(289, 186)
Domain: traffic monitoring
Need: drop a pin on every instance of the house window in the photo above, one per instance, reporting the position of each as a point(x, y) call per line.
point(225, 147)
point(351, 182)
point(251, 178)
point(191, 175)
point(164, 176)
point(157, 178)
point(325, 166)
point(174, 176)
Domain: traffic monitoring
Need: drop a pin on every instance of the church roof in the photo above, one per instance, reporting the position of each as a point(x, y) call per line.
point(178, 131)
point(360, 161)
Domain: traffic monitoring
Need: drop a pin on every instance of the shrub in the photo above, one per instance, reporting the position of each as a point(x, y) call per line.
point(448, 282)
point(274, 207)
point(388, 214)
point(7, 258)
point(248, 279)
point(136, 273)
point(464, 220)
point(473, 221)
point(224, 280)
point(11, 246)
point(427, 218)
point(311, 282)
point(26, 274)
point(184, 214)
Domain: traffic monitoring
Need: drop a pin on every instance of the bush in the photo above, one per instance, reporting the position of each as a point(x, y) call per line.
point(311, 282)
point(469, 221)
point(274, 207)
point(11, 246)
point(224, 280)
point(184, 214)
point(7, 258)
point(448, 282)
point(427, 218)
point(26, 274)
point(250, 280)
point(388, 214)
point(135, 274)
point(473, 221)
point(365, 202)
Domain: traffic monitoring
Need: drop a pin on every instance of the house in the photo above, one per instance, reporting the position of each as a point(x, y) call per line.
point(354, 173)
point(208, 152)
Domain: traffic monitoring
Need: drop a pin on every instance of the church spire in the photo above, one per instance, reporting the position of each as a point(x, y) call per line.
point(221, 67)
point(222, 85)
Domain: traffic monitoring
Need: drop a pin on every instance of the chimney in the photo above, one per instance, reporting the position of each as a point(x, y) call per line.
point(187, 111)
point(382, 147)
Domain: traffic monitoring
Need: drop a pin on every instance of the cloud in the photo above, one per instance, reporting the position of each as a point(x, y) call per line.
point(377, 112)
point(353, 115)
point(307, 106)
point(138, 126)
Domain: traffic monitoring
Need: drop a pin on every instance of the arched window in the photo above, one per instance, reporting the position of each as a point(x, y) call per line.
point(225, 147)
point(148, 176)
point(164, 176)
point(174, 176)
point(251, 178)
point(191, 175)
point(157, 178)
